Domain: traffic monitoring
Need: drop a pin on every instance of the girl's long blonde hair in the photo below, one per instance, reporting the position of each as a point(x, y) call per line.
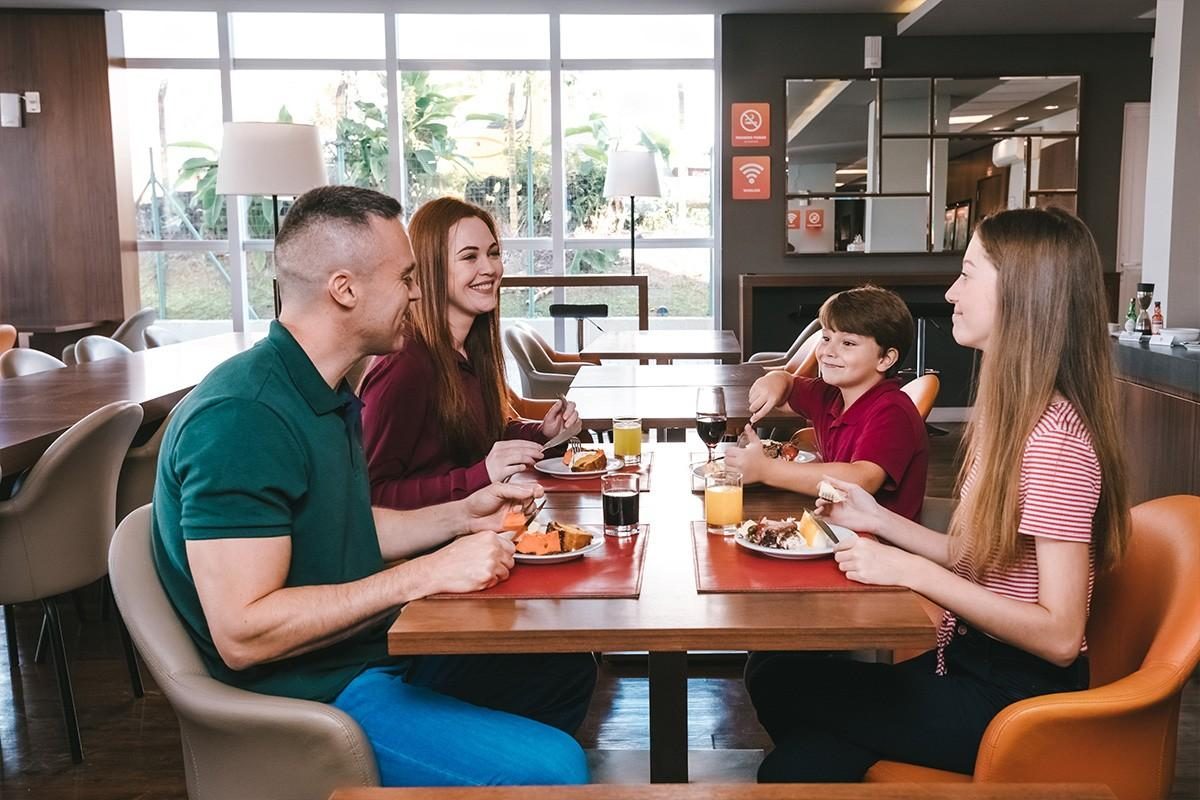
point(1049, 336)
point(469, 438)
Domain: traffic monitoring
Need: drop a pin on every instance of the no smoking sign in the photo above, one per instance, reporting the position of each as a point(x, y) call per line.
point(751, 125)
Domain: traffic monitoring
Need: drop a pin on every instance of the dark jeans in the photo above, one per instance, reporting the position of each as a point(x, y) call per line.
point(831, 719)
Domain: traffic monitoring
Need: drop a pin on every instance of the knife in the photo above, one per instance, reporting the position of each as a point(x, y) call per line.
point(828, 531)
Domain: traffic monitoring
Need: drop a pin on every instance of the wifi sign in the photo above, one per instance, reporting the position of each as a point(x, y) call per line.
point(752, 178)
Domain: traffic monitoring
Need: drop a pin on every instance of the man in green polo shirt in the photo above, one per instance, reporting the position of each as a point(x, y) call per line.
point(266, 542)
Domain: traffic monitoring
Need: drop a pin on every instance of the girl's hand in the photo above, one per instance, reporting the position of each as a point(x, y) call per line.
point(748, 460)
point(767, 393)
point(561, 416)
point(869, 561)
point(859, 512)
point(510, 456)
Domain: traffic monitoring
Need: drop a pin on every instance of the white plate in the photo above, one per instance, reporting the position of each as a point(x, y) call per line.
point(845, 534)
point(558, 558)
point(556, 467)
point(803, 457)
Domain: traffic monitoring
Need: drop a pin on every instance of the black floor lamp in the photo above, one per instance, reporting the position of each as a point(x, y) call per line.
point(631, 173)
point(270, 158)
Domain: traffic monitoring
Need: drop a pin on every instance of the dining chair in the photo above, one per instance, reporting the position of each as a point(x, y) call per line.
point(8, 338)
point(131, 332)
point(135, 485)
point(1143, 638)
point(780, 358)
point(26, 361)
point(98, 348)
point(536, 383)
point(157, 336)
point(235, 743)
point(924, 392)
point(564, 361)
point(55, 531)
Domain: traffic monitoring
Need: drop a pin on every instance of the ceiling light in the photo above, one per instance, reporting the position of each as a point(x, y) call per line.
point(1050, 108)
point(838, 184)
point(998, 128)
point(1022, 119)
point(850, 171)
point(969, 119)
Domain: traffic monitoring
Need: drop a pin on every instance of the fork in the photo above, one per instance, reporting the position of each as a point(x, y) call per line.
point(575, 446)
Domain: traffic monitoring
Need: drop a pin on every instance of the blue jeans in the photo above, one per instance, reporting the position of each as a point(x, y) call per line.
point(475, 720)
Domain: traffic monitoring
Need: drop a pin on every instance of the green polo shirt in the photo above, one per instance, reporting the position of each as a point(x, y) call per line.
point(263, 447)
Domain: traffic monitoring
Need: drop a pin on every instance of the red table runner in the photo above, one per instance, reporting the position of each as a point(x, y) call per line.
point(554, 484)
point(722, 566)
point(612, 571)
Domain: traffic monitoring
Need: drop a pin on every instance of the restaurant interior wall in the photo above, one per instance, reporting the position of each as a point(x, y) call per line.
point(760, 51)
point(60, 251)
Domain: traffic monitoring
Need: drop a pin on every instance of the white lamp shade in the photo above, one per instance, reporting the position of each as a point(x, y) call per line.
point(631, 173)
point(269, 158)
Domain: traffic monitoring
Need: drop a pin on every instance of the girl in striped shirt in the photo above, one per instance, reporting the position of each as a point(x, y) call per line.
point(1042, 508)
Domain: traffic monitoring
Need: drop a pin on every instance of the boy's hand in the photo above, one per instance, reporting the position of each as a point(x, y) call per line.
point(768, 392)
point(748, 460)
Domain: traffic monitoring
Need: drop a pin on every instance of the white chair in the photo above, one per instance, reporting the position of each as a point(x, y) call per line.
point(131, 332)
point(135, 487)
point(157, 336)
point(25, 361)
point(778, 359)
point(536, 382)
point(98, 348)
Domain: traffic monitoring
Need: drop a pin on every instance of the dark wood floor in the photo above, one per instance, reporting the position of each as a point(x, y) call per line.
point(132, 746)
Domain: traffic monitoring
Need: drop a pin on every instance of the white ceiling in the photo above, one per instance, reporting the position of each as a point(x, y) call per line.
point(496, 6)
point(966, 17)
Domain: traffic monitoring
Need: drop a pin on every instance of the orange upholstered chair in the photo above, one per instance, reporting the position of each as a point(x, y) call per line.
point(1143, 642)
point(923, 391)
point(8, 337)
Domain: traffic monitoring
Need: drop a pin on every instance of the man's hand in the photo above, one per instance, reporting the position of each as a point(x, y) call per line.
point(561, 416)
point(749, 460)
point(768, 392)
point(469, 563)
point(510, 456)
point(487, 508)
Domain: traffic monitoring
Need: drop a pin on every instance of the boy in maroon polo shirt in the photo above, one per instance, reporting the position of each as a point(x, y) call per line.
point(867, 430)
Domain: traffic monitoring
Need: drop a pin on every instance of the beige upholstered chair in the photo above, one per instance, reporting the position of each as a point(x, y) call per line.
point(24, 361)
point(68, 355)
point(235, 743)
point(135, 487)
point(555, 361)
point(536, 382)
point(157, 336)
point(779, 359)
point(98, 348)
point(131, 332)
point(55, 531)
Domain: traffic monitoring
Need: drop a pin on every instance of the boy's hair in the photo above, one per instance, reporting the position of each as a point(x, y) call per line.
point(871, 311)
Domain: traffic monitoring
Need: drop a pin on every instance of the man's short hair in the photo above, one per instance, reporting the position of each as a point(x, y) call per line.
point(350, 205)
point(871, 311)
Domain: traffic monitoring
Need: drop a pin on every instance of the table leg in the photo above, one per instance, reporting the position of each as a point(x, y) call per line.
point(668, 717)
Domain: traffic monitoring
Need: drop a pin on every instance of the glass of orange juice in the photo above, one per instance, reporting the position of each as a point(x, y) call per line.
point(627, 439)
point(723, 501)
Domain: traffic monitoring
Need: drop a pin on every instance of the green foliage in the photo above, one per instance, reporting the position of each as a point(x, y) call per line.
point(362, 147)
point(427, 139)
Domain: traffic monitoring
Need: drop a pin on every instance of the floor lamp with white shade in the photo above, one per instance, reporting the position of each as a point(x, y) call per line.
point(275, 158)
point(631, 173)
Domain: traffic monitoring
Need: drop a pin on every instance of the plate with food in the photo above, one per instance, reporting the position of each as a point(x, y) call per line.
point(790, 538)
point(555, 542)
point(771, 449)
point(583, 463)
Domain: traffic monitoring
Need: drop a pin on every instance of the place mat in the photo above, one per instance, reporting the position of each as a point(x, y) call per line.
point(612, 571)
point(552, 483)
point(722, 566)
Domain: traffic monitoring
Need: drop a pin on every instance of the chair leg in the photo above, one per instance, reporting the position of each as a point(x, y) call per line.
point(77, 601)
point(39, 652)
point(10, 628)
point(106, 598)
point(135, 676)
point(59, 646)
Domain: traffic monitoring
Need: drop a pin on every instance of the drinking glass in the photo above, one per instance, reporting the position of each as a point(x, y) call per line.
point(723, 501)
point(710, 417)
point(620, 496)
point(627, 439)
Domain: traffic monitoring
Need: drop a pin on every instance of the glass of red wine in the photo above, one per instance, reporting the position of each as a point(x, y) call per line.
point(711, 418)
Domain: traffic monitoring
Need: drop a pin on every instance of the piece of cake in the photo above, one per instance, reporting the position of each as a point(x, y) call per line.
point(589, 460)
point(571, 537)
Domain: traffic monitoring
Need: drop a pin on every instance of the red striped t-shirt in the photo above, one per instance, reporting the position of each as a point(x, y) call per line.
point(1059, 492)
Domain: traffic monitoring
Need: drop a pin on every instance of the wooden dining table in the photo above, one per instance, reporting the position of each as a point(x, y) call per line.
point(664, 406)
point(664, 346)
point(36, 409)
point(626, 374)
point(670, 616)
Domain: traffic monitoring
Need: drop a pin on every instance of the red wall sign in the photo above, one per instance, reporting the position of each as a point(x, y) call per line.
point(751, 177)
point(814, 219)
point(751, 125)
point(795, 219)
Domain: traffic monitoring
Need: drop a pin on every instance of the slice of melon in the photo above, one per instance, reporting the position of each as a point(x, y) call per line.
point(811, 531)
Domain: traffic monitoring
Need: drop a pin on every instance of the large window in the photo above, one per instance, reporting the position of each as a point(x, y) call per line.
point(514, 112)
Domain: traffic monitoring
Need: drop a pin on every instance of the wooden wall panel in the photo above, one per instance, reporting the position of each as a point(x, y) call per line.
point(60, 252)
point(1162, 442)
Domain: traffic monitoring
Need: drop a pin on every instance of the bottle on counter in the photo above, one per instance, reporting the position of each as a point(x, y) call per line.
point(1131, 316)
point(1156, 319)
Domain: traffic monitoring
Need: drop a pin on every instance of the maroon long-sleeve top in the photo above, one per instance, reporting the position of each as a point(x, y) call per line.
point(408, 459)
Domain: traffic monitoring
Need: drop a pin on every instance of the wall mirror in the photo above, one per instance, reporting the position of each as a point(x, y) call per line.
point(909, 165)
